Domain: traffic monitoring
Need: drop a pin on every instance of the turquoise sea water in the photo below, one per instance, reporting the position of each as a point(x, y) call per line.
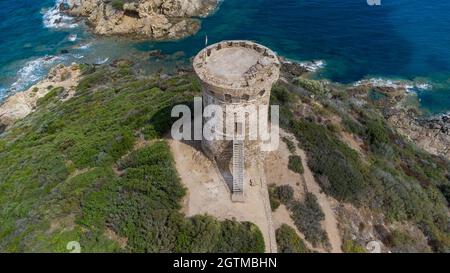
point(401, 39)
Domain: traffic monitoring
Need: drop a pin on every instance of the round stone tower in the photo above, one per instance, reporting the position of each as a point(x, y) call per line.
point(235, 73)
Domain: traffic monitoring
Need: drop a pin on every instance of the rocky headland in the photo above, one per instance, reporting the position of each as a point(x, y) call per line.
point(17, 106)
point(149, 19)
point(430, 133)
point(400, 108)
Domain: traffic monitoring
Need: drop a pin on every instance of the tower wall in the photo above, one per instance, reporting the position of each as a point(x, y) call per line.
point(235, 73)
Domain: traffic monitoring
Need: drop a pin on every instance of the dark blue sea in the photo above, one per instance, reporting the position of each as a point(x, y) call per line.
point(400, 39)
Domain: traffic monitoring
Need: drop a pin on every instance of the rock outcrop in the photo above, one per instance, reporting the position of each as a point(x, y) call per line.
point(429, 133)
point(21, 104)
point(152, 19)
point(432, 134)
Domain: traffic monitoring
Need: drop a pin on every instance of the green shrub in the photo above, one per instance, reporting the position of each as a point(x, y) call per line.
point(280, 195)
point(288, 241)
point(353, 126)
point(307, 217)
point(273, 197)
point(403, 242)
point(285, 194)
point(351, 246)
point(290, 144)
point(377, 134)
point(445, 189)
point(54, 92)
point(117, 4)
point(281, 96)
point(295, 164)
point(316, 87)
point(337, 167)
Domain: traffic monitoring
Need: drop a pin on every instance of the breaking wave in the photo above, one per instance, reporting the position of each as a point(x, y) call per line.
point(409, 86)
point(313, 66)
point(54, 18)
point(33, 71)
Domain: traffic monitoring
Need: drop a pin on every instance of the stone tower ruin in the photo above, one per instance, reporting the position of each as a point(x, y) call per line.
point(235, 73)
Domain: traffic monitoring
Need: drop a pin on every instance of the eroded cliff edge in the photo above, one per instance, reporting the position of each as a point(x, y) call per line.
point(150, 19)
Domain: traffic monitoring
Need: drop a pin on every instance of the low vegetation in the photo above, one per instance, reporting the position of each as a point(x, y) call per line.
point(117, 4)
point(290, 145)
point(392, 177)
point(295, 164)
point(288, 241)
point(308, 217)
point(69, 172)
point(351, 246)
point(280, 195)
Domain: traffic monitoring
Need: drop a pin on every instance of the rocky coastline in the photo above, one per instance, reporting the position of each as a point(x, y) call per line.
point(401, 111)
point(142, 19)
point(21, 104)
point(431, 133)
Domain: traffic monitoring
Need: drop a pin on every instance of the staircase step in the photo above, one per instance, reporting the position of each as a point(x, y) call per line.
point(238, 166)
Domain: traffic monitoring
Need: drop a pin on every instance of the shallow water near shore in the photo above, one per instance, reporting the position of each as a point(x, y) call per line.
point(406, 39)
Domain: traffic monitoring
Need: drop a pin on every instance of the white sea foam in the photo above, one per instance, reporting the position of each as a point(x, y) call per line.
point(313, 66)
point(100, 61)
point(84, 46)
point(54, 18)
point(406, 85)
point(424, 86)
point(33, 71)
point(3, 92)
point(78, 56)
point(72, 37)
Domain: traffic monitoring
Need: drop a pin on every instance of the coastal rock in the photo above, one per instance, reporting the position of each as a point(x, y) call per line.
point(292, 70)
point(21, 104)
point(430, 133)
point(153, 19)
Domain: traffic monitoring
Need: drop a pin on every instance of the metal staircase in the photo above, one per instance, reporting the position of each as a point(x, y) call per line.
point(238, 169)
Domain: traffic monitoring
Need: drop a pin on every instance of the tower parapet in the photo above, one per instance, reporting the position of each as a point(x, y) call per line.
point(237, 68)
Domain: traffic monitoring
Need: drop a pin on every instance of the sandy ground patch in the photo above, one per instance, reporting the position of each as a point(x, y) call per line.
point(209, 194)
point(278, 173)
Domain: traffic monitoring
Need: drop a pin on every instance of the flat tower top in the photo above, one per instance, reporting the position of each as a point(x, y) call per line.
point(236, 64)
point(230, 64)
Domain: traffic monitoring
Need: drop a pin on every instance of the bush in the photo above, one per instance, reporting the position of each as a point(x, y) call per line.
point(117, 4)
point(273, 197)
point(445, 189)
point(295, 164)
point(290, 145)
point(336, 166)
point(280, 195)
point(316, 87)
point(288, 241)
point(285, 194)
point(307, 217)
point(353, 126)
point(377, 134)
point(281, 96)
point(351, 246)
point(54, 92)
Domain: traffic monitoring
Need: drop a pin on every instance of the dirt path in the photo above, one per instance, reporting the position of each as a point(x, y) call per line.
point(276, 167)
